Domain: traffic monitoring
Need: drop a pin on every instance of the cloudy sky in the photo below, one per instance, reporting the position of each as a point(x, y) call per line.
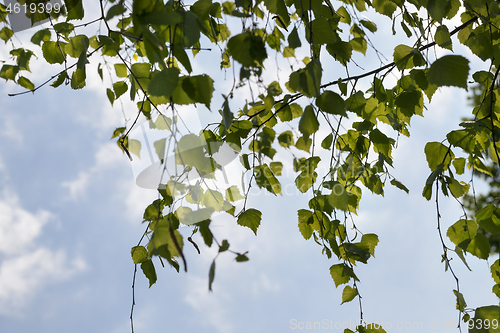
point(70, 212)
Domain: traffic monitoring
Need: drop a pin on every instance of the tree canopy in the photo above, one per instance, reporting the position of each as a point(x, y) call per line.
point(339, 129)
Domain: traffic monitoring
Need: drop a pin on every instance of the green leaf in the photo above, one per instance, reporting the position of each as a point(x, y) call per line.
point(369, 25)
point(194, 89)
point(25, 83)
point(7, 33)
point(76, 46)
point(8, 72)
point(224, 246)
point(293, 39)
point(115, 10)
point(461, 304)
point(52, 53)
point(211, 275)
point(285, 139)
point(439, 9)
point(307, 176)
point(227, 115)
point(308, 123)
point(149, 271)
point(308, 79)
point(134, 146)
point(381, 142)
point(462, 232)
point(250, 218)
point(160, 148)
point(202, 8)
point(164, 83)
point(399, 185)
point(450, 70)
point(327, 141)
point(303, 143)
point(278, 7)
point(459, 164)
point(264, 177)
point(141, 70)
point(241, 258)
point(406, 57)
point(385, 7)
point(443, 38)
point(495, 271)
point(111, 95)
point(322, 32)
point(75, 9)
point(349, 294)
point(459, 251)
point(339, 197)
point(60, 79)
point(233, 194)
point(436, 153)
point(332, 103)
point(205, 232)
point(305, 223)
point(341, 51)
point(276, 168)
point(64, 28)
point(248, 49)
point(345, 16)
point(139, 254)
point(120, 88)
point(358, 44)
point(485, 314)
point(369, 242)
point(457, 189)
point(480, 246)
point(183, 58)
point(78, 78)
point(121, 70)
point(488, 219)
point(213, 199)
point(341, 274)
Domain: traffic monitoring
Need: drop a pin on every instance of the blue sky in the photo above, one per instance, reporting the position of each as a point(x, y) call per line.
point(70, 212)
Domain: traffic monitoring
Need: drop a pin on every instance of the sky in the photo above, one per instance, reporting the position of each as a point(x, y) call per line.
point(70, 212)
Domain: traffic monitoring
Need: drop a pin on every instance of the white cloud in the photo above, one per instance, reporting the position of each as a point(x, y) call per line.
point(106, 157)
point(24, 266)
point(18, 228)
point(212, 307)
point(22, 275)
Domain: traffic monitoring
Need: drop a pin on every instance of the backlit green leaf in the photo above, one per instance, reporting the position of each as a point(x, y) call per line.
point(305, 223)
point(248, 49)
point(442, 37)
point(163, 83)
point(25, 83)
point(485, 314)
point(462, 232)
point(211, 275)
point(52, 53)
point(149, 271)
point(450, 70)
point(308, 122)
point(332, 103)
point(139, 254)
point(341, 274)
point(348, 294)
point(7, 33)
point(307, 80)
point(120, 88)
point(436, 153)
point(250, 218)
